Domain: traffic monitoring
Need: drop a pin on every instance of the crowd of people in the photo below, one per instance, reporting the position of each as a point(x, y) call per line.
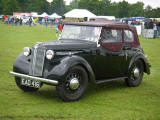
point(31, 21)
point(145, 23)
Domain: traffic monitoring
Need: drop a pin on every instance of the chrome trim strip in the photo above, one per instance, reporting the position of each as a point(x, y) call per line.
point(68, 53)
point(53, 82)
point(34, 62)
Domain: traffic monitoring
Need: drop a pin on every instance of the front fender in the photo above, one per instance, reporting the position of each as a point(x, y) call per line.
point(142, 57)
point(61, 69)
point(21, 64)
point(56, 71)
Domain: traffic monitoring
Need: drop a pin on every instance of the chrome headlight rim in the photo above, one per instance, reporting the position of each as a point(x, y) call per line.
point(49, 54)
point(26, 51)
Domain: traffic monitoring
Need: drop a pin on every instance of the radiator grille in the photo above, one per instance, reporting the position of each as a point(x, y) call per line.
point(37, 62)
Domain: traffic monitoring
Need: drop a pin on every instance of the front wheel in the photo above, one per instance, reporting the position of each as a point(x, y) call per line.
point(75, 84)
point(135, 75)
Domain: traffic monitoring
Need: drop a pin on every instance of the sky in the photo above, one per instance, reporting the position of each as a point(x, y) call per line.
point(153, 3)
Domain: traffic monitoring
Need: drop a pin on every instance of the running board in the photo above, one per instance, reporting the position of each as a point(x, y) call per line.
point(108, 80)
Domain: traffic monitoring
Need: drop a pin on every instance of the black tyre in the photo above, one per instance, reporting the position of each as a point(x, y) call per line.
point(25, 88)
point(75, 84)
point(135, 75)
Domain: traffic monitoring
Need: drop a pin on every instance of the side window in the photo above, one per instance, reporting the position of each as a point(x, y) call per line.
point(111, 36)
point(128, 36)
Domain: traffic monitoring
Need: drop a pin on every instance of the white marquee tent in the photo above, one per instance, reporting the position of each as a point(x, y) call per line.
point(106, 17)
point(44, 15)
point(55, 15)
point(79, 13)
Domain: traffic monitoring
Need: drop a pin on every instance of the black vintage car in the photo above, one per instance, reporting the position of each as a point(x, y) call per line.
point(86, 52)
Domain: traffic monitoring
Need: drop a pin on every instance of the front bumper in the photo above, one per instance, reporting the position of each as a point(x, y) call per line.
point(53, 82)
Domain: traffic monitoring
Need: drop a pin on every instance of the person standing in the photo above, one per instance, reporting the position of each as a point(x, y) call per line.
point(16, 21)
point(46, 22)
point(30, 21)
point(158, 28)
point(20, 21)
point(12, 21)
point(57, 23)
point(9, 19)
point(60, 26)
point(35, 21)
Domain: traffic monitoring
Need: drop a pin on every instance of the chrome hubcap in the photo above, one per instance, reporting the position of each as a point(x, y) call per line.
point(136, 72)
point(74, 83)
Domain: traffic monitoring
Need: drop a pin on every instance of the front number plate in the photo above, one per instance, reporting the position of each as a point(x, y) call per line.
point(30, 83)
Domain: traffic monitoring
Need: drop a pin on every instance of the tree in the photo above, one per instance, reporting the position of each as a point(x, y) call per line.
point(152, 13)
point(148, 11)
point(22, 4)
point(73, 5)
point(104, 7)
point(34, 6)
point(10, 6)
point(157, 13)
point(124, 9)
point(1, 7)
point(114, 9)
point(44, 6)
point(57, 6)
point(98, 7)
point(137, 9)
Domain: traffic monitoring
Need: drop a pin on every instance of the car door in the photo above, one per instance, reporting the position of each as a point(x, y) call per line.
point(130, 42)
point(109, 61)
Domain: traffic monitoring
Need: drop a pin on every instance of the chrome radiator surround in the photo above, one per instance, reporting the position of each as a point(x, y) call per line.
point(37, 62)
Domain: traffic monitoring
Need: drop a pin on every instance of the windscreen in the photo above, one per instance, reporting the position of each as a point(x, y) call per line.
point(74, 32)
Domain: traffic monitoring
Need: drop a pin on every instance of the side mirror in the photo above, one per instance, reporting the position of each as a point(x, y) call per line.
point(98, 43)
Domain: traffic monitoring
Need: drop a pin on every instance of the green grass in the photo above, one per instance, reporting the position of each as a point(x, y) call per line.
point(110, 101)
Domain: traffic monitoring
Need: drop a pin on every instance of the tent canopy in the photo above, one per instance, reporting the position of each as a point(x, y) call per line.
point(106, 17)
point(55, 15)
point(79, 13)
point(44, 15)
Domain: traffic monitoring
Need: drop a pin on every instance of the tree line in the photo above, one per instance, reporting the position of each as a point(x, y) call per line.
point(7, 7)
point(98, 7)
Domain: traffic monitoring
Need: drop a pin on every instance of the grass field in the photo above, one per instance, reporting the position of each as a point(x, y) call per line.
point(110, 101)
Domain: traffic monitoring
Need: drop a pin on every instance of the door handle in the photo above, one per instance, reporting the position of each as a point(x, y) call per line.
point(126, 48)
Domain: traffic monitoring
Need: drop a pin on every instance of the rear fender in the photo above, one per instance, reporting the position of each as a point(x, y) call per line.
point(141, 57)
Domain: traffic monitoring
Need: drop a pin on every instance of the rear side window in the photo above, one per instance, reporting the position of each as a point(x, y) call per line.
point(111, 36)
point(128, 36)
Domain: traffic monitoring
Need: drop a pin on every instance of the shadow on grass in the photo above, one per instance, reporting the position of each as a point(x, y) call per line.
point(108, 86)
point(41, 117)
point(51, 93)
point(48, 93)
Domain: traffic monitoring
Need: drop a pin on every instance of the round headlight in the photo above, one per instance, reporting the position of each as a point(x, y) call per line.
point(26, 51)
point(49, 54)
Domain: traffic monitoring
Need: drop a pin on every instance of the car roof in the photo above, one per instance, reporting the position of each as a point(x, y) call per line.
point(102, 23)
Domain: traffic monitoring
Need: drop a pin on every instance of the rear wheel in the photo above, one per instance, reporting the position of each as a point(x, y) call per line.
point(135, 75)
point(75, 84)
point(25, 88)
